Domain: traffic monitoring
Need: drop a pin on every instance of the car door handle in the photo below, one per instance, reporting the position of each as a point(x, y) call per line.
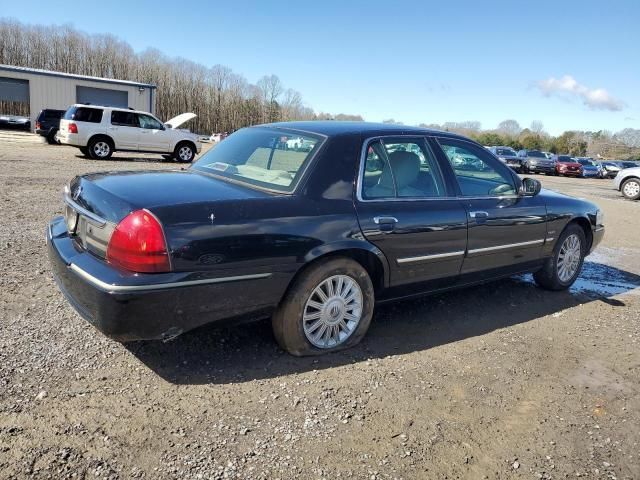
point(384, 220)
point(478, 214)
point(386, 224)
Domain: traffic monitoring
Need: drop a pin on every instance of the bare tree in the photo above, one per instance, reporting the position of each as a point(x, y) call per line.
point(537, 127)
point(509, 127)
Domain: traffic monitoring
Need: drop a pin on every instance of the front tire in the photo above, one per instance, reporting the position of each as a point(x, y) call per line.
point(100, 149)
point(564, 266)
point(329, 308)
point(184, 153)
point(631, 189)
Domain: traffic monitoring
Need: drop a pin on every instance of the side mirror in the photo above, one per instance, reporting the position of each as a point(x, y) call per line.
point(530, 187)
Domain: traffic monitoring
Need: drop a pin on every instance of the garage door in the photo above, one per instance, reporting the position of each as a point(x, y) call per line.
point(102, 96)
point(14, 90)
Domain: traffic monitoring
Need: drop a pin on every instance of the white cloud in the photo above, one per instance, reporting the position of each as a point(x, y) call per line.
point(567, 86)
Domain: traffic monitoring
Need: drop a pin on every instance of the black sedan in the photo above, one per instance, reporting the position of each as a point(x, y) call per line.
point(313, 238)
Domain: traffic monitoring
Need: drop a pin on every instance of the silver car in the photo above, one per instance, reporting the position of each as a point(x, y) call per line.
point(628, 183)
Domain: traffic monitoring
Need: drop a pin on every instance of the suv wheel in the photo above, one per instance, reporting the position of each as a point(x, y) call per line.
point(562, 269)
point(631, 188)
point(329, 308)
point(100, 149)
point(184, 153)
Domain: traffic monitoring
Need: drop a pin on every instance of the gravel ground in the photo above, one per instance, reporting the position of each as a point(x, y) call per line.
point(497, 381)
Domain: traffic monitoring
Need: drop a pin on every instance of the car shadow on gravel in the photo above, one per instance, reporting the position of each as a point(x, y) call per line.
point(211, 355)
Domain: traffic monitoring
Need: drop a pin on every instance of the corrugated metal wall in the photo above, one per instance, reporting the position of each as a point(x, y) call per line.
point(46, 91)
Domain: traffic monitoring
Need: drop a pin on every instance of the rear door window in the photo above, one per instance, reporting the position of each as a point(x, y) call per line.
point(124, 119)
point(84, 114)
point(401, 167)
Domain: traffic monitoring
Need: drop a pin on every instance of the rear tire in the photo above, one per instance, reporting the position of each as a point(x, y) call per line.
point(328, 308)
point(100, 149)
point(630, 188)
point(84, 151)
point(564, 266)
point(184, 152)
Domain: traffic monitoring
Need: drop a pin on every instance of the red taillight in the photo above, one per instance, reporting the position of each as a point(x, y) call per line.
point(138, 244)
point(38, 125)
point(73, 128)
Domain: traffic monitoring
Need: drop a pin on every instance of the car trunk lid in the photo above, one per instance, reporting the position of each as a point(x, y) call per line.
point(95, 203)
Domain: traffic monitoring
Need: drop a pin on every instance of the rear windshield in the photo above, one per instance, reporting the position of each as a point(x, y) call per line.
point(84, 114)
point(506, 151)
point(51, 114)
point(264, 157)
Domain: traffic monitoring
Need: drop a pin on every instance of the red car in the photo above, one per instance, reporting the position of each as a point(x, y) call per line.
point(568, 166)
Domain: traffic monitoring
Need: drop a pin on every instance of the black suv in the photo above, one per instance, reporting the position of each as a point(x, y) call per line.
point(48, 122)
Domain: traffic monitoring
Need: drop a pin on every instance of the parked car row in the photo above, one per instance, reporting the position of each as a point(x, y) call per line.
point(536, 161)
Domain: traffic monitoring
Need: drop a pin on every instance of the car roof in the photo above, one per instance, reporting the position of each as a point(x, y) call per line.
point(333, 127)
point(121, 109)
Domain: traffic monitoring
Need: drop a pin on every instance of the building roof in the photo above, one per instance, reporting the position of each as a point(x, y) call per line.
point(51, 73)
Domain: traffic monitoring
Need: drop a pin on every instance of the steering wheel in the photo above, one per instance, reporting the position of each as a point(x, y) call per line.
point(502, 188)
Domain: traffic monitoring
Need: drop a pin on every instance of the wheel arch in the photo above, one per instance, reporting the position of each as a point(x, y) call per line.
point(585, 224)
point(102, 136)
point(367, 255)
point(191, 143)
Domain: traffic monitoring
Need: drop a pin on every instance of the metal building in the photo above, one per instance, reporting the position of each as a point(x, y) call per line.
point(48, 89)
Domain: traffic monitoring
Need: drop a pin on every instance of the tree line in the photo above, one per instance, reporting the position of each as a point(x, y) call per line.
point(622, 145)
point(223, 100)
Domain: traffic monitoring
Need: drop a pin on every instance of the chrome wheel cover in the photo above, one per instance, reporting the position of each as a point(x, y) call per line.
point(332, 312)
point(101, 149)
point(185, 153)
point(631, 189)
point(569, 258)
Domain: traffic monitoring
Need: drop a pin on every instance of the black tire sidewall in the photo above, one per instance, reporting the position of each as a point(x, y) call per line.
point(287, 320)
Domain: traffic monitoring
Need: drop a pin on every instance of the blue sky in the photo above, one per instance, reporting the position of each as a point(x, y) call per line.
point(570, 64)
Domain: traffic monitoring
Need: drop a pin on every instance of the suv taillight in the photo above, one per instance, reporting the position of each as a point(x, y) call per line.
point(138, 244)
point(38, 125)
point(73, 128)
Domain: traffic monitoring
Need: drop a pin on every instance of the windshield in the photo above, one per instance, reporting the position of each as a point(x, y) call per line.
point(565, 158)
point(266, 157)
point(587, 162)
point(534, 153)
point(506, 151)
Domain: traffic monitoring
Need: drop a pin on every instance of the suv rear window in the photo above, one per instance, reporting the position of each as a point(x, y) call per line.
point(84, 114)
point(128, 119)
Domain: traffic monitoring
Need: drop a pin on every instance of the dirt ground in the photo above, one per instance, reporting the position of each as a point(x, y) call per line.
point(498, 381)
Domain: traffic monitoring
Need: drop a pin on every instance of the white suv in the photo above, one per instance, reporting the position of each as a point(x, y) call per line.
point(100, 131)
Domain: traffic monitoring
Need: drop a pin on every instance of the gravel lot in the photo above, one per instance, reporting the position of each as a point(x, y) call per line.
point(498, 381)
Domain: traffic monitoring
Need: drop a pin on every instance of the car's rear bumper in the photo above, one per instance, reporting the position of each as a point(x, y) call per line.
point(127, 306)
point(70, 139)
